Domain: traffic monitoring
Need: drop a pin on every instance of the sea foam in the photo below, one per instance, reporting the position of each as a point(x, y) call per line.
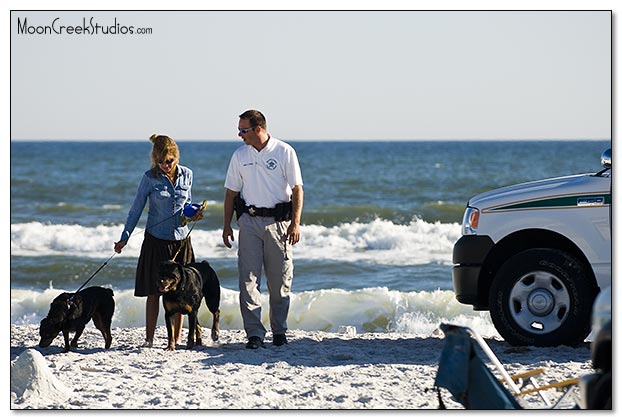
point(379, 241)
point(368, 310)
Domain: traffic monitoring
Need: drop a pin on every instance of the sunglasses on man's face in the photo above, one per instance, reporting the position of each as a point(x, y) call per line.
point(168, 162)
point(246, 130)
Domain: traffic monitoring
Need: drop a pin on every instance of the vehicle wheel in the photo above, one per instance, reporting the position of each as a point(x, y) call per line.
point(542, 297)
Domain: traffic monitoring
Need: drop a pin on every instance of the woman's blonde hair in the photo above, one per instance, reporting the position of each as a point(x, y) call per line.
point(163, 146)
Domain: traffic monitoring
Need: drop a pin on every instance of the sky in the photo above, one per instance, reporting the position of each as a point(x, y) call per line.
point(316, 75)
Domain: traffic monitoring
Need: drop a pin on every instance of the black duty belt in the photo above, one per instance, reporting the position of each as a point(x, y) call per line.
point(260, 211)
point(281, 212)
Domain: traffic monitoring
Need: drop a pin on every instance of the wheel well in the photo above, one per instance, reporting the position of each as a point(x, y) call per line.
point(522, 241)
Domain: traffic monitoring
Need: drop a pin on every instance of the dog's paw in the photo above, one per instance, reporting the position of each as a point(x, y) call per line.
point(170, 347)
point(215, 335)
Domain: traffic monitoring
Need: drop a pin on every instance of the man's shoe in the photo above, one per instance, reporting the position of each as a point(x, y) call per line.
point(279, 339)
point(254, 343)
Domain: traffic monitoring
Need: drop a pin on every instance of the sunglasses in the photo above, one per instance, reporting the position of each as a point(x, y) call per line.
point(168, 162)
point(246, 130)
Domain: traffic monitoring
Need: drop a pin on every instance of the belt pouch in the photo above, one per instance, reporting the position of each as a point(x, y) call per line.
point(239, 206)
point(283, 212)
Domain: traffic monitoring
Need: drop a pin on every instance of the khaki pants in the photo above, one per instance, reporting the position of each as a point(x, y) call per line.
point(262, 244)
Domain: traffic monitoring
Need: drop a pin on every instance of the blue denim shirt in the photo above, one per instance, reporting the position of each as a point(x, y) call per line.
point(166, 202)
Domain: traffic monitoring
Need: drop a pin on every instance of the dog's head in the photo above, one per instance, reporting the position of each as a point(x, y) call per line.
point(170, 274)
point(63, 308)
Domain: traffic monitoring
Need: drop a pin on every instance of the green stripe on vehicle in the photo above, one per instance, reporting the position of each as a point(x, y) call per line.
point(591, 200)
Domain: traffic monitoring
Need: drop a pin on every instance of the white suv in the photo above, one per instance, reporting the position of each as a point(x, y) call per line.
point(536, 255)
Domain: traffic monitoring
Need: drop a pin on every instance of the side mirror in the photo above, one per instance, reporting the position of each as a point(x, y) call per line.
point(605, 159)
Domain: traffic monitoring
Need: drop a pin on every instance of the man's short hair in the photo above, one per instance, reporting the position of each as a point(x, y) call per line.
point(255, 118)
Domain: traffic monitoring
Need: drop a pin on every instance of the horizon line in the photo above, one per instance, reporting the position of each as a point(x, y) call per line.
point(325, 140)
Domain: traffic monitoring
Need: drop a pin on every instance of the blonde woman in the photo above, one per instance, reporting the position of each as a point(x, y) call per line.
point(167, 186)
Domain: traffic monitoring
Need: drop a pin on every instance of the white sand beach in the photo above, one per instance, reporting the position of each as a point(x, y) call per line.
point(316, 370)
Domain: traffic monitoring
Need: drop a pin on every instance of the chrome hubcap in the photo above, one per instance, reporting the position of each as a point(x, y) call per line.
point(539, 302)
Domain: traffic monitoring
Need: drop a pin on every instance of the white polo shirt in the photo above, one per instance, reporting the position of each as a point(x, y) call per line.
point(264, 178)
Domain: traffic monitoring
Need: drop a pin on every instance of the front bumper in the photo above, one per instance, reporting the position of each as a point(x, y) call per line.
point(469, 255)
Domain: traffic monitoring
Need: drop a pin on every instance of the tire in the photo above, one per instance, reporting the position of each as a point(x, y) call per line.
point(542, 297)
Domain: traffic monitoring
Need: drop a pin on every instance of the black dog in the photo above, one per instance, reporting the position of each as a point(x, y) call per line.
point(72, 311)
point(182, 288)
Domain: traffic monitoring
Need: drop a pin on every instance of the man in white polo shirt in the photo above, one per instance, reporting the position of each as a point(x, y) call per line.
point(264, 187)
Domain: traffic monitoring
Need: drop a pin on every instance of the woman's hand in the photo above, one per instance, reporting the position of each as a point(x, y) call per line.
point(198, 212)
point(197, 216)
point(118, 246)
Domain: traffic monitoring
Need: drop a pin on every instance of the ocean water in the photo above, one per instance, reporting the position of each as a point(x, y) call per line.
point(379, 223)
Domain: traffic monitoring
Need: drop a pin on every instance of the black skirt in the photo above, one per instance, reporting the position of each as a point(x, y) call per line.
point(152, 252)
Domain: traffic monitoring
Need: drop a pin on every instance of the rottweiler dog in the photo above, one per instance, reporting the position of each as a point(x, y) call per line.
point(72, 311)
point(182, 288)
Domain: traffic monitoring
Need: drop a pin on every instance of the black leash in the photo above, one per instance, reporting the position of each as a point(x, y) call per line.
point(112, 256)
point(95, 273)
point(135, 233)
point(181, 245)
point(184, 222)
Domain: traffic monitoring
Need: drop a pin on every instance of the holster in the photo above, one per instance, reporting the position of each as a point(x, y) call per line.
point(239, 206)
point(283, 212)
